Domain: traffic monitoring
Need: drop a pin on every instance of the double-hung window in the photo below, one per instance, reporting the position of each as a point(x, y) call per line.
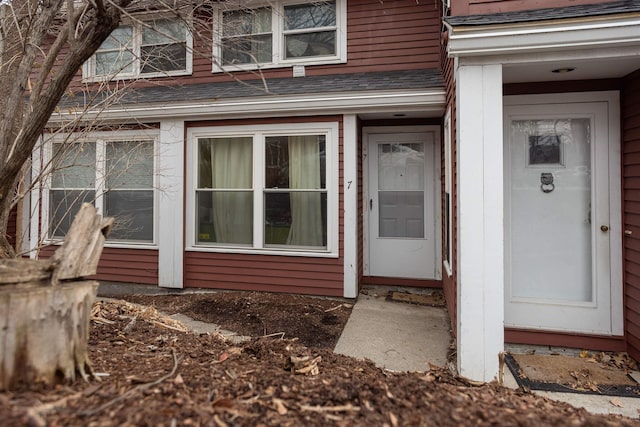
point(267, 188)
point(114, 175)
point(281, 33)
point(144, 48)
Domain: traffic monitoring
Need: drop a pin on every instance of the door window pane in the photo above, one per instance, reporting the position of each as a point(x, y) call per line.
point(550, 209)
point(401, 190)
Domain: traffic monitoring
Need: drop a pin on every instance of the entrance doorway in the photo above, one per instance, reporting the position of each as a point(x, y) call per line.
point(562, 217)
point(401, 203)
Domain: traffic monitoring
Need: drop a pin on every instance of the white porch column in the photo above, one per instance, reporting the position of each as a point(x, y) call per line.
point(350, 188)
point(480, 220)
point(170, 205)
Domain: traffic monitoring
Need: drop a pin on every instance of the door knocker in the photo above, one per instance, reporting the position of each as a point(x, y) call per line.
point(547, 185)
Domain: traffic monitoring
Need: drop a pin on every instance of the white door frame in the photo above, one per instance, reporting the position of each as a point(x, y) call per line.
point(610, 100)
point(366, 132)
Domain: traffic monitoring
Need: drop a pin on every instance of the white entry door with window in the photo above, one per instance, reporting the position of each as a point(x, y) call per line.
point(562, 217)
point(402, 204)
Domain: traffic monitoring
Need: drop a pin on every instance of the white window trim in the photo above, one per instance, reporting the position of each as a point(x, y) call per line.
point(88, 68)
point(277, 7)
point(448, 188)
point(101, 139)
point(259, 132)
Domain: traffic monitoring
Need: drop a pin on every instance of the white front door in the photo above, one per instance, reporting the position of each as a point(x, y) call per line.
point(562, 218)
point(402, 204)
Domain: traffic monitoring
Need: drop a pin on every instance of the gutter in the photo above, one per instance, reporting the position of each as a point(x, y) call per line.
point(480, 40)
point(370, 101)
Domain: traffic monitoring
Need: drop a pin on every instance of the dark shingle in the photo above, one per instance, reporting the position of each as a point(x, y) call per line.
point(578, 11)
point(390, 80)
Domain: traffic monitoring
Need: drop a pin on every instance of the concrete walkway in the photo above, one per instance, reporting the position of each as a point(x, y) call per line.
point(396, 336)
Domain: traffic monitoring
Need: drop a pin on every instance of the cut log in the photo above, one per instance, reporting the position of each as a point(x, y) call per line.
point(45, 312)
point(44, 331)
point(79, 254)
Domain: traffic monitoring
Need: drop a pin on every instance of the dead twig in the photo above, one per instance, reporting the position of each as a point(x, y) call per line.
point(275, 335)
point(334, 308)
point(141, 387)
point(340, 408)
point(35, 414)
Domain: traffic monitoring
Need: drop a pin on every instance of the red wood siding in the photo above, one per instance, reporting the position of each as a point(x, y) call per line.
point(12, 226)
point(122, 265)
point(631, 209)
point(129, 265)
point(449, 283)
point(475, 7)
point(272, 273)
point(381, 36)
point(592, 342)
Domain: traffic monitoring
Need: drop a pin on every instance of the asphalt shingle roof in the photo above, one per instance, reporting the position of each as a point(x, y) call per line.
point(390, 80)
point(577, 11)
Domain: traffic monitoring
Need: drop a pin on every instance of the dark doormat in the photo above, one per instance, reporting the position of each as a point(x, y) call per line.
point(567, 374)
point(433, 299)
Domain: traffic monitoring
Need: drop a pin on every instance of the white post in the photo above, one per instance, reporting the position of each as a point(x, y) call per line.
point(350, 174)
point(480, 220)
point(170, 221)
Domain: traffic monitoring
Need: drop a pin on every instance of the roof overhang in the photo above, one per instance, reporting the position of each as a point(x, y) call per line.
point(424, 100)
point(618, 31)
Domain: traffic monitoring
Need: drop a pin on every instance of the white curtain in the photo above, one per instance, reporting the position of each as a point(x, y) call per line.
point(306, 207)
point(231, 164)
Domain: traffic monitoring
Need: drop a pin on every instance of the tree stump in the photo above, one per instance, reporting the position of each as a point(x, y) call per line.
point(45, 308)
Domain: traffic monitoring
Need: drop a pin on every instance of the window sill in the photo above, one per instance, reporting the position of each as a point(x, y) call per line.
point(269, 251)
point(115, 245)
point(287, 64)
point(99, 79)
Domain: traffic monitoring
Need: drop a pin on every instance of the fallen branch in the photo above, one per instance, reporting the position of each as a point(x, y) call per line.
point(339, 408)
point(275, 335)
point(136, 389)
point(35, 414)
point(334, 308)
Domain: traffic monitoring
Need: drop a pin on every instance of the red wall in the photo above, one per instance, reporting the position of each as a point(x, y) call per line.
point(273, 273)
point(381, 36)
point(631, 209)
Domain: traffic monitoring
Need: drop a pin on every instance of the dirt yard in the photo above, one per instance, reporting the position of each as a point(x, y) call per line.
point(152, 373)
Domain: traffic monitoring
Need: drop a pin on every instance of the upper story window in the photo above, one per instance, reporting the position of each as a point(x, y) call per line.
point(284, 33)
point(150, 49)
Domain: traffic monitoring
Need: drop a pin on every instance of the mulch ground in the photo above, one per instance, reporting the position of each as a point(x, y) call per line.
point(154, 374)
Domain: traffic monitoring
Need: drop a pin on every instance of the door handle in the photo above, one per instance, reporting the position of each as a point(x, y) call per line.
point(604, 228)
point(370, 204)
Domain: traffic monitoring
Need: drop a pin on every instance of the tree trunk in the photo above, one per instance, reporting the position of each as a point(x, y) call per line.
point(44, 331)
point(45, 312)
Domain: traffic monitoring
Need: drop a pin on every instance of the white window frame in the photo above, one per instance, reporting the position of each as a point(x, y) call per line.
point(448, 189)
point(277, 22)
point(259, 133)
point(89, 67)
point(101, 139)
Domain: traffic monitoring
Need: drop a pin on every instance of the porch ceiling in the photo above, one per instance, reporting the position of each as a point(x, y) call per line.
point(581, 69)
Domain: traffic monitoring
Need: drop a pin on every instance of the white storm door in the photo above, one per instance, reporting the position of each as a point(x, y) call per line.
point(558, 196)
point(401, 205)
